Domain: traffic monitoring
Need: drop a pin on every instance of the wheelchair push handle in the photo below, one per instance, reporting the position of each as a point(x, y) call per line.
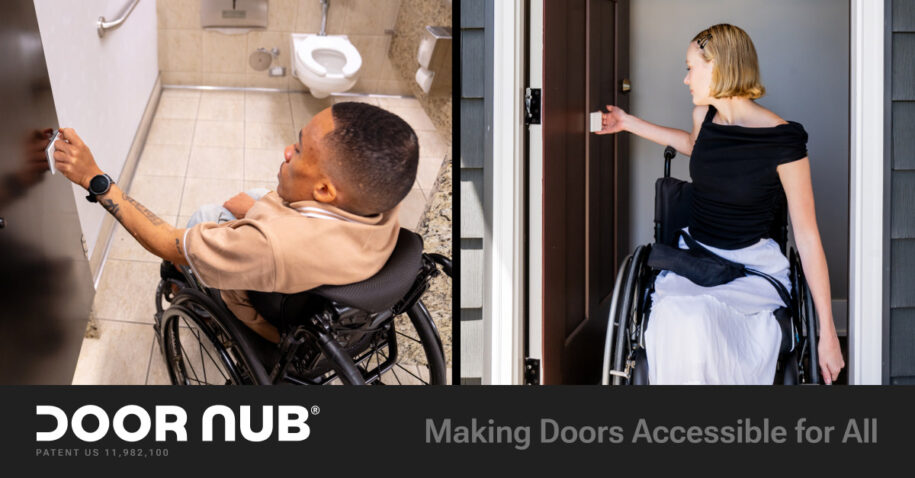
point(441, 260)
point(669, 153)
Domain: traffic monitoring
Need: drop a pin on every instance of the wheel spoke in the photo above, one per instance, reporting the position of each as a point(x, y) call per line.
point(215, 362)
point(391, 370)
point(183, 360)
point(202, 342)
point(405, 370)
point(374, 355)
point(408, 337)
point(196, 332)
point(203, 364)
point(411, 373)
point(396, 377)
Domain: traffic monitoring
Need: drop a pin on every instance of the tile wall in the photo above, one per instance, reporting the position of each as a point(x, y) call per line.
point(190, 55)
point(411, 23)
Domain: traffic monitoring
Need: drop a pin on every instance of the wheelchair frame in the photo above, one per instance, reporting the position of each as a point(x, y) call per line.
point(624, 346)
point(314, 341)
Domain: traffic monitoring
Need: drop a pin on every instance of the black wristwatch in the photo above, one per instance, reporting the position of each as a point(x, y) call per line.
point(98, 186)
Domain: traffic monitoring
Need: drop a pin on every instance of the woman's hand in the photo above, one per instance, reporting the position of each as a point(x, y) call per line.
point(73, 158)
point(613, 120)
point(830, 354)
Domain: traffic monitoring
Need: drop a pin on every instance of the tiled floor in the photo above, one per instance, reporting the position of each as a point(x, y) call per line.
point(203, 148)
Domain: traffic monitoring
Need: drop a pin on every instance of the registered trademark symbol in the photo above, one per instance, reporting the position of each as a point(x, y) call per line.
point(315, 409)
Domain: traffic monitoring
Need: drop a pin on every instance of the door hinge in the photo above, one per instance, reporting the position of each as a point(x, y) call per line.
point(532, 106)
point(531, 371)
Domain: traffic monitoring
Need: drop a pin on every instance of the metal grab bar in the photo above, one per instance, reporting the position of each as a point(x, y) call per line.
point(103, 25)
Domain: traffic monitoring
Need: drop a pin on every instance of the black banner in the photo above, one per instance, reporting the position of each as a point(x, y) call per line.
point(246, 429)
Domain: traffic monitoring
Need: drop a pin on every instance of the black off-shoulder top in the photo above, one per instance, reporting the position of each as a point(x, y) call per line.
point(735, 183)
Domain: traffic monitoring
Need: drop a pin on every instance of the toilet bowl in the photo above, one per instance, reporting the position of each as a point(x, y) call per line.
point(325, 64)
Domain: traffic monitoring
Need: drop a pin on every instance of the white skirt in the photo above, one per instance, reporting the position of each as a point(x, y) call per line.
point(725, 334)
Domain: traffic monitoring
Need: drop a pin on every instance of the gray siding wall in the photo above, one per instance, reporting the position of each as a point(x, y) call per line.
point(476, 158)
point(900, 157)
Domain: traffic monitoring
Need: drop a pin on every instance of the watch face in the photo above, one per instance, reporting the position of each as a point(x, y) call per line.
point(98, 185)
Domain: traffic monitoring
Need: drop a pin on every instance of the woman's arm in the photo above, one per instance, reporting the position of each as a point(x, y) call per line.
point(795, 178)
point(616, 120)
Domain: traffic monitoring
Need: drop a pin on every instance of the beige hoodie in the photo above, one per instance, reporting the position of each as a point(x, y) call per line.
point(287, 247)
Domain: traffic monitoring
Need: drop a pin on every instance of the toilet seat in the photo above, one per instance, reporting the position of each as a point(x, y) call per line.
point(336, 43)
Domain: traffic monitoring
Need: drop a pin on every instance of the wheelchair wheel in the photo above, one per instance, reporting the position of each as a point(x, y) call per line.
point(623, 342)
point(387, 350)
point(165, 294)
point(199, 348)
point(806, 323)
point(410, 352)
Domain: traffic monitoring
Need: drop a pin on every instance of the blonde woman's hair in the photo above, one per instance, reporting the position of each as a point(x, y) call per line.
point(736, 71)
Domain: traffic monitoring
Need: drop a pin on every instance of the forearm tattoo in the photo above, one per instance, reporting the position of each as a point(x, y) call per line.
point(178, 247)
point(112, 207)
point(146, 212)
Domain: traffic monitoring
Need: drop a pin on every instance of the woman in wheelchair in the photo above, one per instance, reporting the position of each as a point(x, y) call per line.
point(744, 160)
point(233, 280)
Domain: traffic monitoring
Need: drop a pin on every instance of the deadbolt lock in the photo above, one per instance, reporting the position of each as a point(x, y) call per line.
point(625, 86)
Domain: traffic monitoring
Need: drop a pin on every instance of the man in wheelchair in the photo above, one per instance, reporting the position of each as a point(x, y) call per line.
point(331, 221)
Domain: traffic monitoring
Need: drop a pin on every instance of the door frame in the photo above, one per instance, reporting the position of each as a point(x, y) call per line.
point(866, 321)
point(503, 327)
point(535, 192)
point(503, 340)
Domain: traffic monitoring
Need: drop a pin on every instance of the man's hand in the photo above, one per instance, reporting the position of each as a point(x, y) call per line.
point(239, 205)
point(73, 158)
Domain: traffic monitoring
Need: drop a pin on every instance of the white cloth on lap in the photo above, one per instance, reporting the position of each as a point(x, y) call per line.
point(725, 334)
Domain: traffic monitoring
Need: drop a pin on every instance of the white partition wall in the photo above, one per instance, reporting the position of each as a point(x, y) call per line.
point(101, 85)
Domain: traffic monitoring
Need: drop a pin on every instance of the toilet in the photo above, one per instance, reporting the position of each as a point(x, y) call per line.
point(325, 64)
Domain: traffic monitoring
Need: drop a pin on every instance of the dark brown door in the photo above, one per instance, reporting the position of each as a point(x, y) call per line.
point(584, 60)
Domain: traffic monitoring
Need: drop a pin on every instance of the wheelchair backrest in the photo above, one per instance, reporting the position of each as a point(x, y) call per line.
point(674, 200)
point(375, 294)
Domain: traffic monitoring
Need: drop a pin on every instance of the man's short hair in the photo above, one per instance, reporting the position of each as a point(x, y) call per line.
point(375, 157)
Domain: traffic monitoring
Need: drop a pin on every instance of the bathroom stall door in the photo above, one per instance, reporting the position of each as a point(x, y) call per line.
point(584, 62)
point(45, 285)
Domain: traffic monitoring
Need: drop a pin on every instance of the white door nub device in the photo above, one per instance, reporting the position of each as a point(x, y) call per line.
point(596, 118)
point(49, 151)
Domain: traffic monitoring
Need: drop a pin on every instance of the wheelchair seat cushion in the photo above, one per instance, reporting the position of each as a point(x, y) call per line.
point(383, 290)
point(375, 294)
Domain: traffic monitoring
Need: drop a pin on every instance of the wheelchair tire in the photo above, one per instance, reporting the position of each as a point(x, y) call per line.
point(431, 342)
point(165, 295)
point(813, 366)
point(612, 321)
point(806, 323)
point(625, 303)
point(200, 343)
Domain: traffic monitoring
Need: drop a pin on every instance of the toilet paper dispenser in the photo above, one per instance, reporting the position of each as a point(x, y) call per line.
point(434, 58)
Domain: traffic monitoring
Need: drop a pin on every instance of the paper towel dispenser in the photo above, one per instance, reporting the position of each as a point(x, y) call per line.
point(233, 14)
point(434, 57)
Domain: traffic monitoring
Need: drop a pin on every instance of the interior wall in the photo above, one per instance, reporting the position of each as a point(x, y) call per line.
point(190, 55)
point(804, 61)
point(100, 85)
point(411, 24)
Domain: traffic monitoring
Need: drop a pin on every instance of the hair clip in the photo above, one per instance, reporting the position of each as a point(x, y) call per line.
point(704, 41)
